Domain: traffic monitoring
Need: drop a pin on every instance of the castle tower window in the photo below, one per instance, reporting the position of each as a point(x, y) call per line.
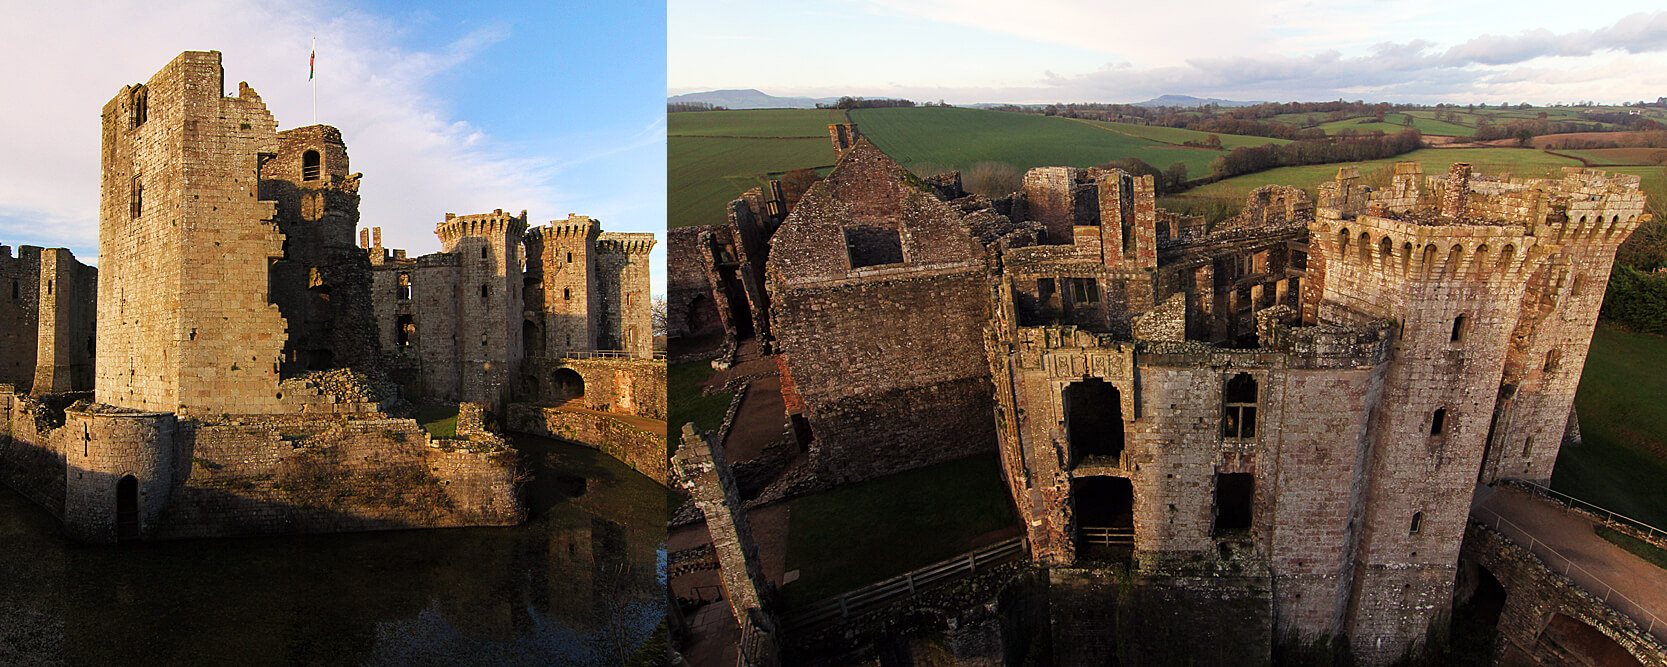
point(136, 197)
point(127, 509)
point(311, 166)
point(1527, 446)
point(1093, 420)
point(1234, 494)
point(1460, 323)
point(1438, 422)
point(567, 293)
point(404, 291)
point(405, 330)
point(141, 106)
point(483, 252)
point(570, 257)
point(49, 288)
point(485, 291)
point(1417, 523)
point(1238, 421)
point(1083, 290)
point(16, 293)
point(1553, 357)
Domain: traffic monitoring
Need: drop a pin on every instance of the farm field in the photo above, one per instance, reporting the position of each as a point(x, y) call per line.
point(1490, 161)
point(714, 156)
point(1582, 139)
point(953, 138)
point(1620, 156)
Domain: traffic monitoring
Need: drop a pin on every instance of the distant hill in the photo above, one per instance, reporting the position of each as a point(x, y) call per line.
point(750, 99)
point(1190, 101)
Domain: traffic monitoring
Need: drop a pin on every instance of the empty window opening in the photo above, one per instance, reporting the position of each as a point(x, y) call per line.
point(1459, 325)
point(873, 246)
point(1104, 512)
point(570, 257)
point(1083, 290)
point(49, 288)
point(1527, 446)
point(16, 290)
point(1438, 422)
point(483, 252)
point(485, 291)
point(566, 384)
point(127, 509)
point(1579, 282)
point(1235, 492)
point(567, 293)
point(1238, 421)
point(141, 106)
point(1094, 421)
point(1417, 523)
point(405, 330)
point(1553, 357)
point(136, 197)
point(404, 291)
point(311, 166)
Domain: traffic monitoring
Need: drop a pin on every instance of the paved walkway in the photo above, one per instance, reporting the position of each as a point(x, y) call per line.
point(1565, 542)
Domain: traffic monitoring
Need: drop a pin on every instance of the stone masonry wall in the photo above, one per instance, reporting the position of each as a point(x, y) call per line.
point(559, 259)
point(19, 308)
point(489, 304)
point(645, 452)
point(622, 308)
point(186, 322)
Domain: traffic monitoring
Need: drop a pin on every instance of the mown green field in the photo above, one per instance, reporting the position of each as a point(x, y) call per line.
point(714, 156)
point(1620, 156)
point(1623, 420)
point(954, 138)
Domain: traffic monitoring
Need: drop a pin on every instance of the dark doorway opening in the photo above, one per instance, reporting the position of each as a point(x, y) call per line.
point(1234, 493)
point(1094, 422)
point(801, 430)
point(127, 509)
point(320, 360)
point(566, 384)
point(740, 310)
point(1104, 508)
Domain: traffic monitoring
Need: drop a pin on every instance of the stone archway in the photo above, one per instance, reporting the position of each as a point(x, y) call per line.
point(566, 384)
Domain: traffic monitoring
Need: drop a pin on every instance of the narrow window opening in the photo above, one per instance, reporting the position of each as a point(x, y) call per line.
point(49, 287)
point(1417, 523)
point(1459, 325)
point(1234, 494)
point(1553, 357)
point(570, 257)
point(404, 291)
point(127, 509)
point(483, 252)
point(141, 106)
point(136, 197)
point(1438, 422)
point(311, 166)
point(566, 294)
point(16, 292)
point(1527, 446)
point(1238, 420)
point(485, 291)
point(406, 331)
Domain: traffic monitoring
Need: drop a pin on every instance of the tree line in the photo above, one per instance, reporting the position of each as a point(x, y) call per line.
point(1248, 159)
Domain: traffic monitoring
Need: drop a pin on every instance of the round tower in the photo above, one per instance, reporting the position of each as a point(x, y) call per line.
point(118, 471)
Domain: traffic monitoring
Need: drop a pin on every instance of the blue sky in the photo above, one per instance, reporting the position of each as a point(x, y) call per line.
point(1038, 51)
point(551, 107)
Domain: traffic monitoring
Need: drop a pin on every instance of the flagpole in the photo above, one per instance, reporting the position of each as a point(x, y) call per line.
point(314, 81)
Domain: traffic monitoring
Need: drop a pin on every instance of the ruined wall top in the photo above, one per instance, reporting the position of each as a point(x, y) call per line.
point(575, 227)
point(630, 243)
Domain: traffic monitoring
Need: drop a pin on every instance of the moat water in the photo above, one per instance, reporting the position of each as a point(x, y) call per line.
point(581, 583)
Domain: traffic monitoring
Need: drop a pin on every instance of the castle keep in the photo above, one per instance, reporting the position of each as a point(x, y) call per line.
point(1286, 412)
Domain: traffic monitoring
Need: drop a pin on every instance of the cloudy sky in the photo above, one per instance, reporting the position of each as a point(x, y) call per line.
point(1038, 51)
point(551, 107)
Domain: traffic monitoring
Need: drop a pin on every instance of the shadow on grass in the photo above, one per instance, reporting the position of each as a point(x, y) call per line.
point(1623, 421)
point(856, 535)
point(439, 420)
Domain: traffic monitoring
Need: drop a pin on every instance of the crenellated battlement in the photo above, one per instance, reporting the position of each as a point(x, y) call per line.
point(576, 227)
point(1414, 250)
point(496, 223)
point(631, 243)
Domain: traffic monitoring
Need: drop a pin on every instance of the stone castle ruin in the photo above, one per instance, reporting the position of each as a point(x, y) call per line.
point(247, 369)
point(1285, 414)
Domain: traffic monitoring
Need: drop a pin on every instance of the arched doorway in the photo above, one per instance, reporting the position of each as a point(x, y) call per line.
point(127, 509)
point(1094, 421)
point(566, 384)
point(1573, 642)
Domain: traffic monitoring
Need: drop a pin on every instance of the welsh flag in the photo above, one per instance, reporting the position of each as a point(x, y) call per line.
point(310, 58)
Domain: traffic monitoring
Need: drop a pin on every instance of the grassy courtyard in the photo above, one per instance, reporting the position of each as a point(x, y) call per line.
point(1623, 419)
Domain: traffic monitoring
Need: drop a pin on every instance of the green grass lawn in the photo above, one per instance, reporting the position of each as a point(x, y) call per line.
point(1623, 420)
point(439, 420)
point(856, 535)
point(760, 123)
point(1626, 156)
point(714, 156)
point(686, 404)
point(1639, 548)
